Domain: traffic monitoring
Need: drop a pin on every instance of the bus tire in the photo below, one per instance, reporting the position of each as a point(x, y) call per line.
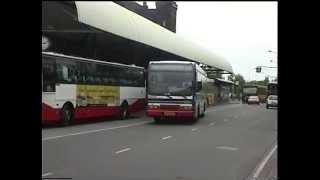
point(204, 110)
point(196, 115)
point(157, 120)
point(67, 114)
point(124, 113)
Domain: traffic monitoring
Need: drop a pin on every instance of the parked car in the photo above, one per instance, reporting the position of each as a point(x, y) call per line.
point(253, 100)
point(272, 101)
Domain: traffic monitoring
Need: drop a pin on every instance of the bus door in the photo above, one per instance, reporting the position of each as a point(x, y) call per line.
point(66, 83)
point(48, 87)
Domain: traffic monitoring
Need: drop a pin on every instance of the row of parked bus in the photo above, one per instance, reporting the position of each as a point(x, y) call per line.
point(75, 89)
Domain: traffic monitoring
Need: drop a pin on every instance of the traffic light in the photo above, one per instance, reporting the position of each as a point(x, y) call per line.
point(258, 69)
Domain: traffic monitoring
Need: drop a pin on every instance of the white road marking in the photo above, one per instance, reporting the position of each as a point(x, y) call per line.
point(166, 137)
point(93, 131)
point(46, 174)
point(194, 129)
point(263, 163)
point(123, 150)
point(225, 120)
point(211, 124)
point(227, 148)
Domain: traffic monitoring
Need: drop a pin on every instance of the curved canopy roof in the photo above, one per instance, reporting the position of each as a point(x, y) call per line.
point(115, 19)
point(225, 81)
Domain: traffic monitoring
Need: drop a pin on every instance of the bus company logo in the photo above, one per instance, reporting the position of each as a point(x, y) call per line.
point(45, 43)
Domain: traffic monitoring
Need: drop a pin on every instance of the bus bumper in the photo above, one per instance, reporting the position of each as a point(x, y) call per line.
point(157, 113)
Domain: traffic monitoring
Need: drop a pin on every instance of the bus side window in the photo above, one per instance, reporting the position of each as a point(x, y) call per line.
point(82, 72)
point(141, 78)
point(65, 73)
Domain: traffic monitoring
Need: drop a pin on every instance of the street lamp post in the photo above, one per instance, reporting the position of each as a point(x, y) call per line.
point(274, 52)
point(267, 67)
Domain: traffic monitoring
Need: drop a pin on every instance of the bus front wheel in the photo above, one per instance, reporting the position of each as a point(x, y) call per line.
point(67, 114)
point(204, 110)
point(196, 114)
point(157, 120)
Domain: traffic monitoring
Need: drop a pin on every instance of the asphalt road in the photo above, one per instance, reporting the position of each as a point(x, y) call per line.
point(232, 142)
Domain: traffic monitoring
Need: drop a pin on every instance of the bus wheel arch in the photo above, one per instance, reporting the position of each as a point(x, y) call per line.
point(124, 110)
point(67, 113)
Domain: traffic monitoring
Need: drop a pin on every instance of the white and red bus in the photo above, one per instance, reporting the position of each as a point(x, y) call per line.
point(176, 89)
point(75, 88)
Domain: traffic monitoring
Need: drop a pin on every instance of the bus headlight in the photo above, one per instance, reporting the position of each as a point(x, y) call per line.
point(186, 107)
point(153, 107)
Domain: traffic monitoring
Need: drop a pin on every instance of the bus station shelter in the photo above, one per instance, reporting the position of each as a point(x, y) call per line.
point(225, 88)
point(109, 32)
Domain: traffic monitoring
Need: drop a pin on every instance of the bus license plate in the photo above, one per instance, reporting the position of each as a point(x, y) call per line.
point(169, 113)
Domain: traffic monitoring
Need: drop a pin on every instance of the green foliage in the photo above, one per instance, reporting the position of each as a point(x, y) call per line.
point(239, 78)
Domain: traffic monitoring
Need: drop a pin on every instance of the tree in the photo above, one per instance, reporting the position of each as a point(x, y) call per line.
point(239, 78)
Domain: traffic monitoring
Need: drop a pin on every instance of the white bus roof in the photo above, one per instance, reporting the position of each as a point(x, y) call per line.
point(115, 19)
point(172, 62)
point(179, 62)
point(92, 60)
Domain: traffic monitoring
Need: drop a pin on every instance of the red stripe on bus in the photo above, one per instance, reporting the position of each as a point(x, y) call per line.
point(96, 112)
point(49, 114)
point(137, 106)
point(52, 115)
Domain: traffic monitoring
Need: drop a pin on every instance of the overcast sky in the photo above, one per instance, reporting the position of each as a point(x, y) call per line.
point(242, 32)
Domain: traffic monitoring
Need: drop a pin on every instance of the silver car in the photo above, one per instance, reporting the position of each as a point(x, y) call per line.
point(253, 100)
point(272, 101)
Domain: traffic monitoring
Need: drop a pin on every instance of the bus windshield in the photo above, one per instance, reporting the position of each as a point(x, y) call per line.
point(175, 83)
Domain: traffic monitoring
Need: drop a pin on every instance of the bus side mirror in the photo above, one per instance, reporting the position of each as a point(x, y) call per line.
point(199, 86)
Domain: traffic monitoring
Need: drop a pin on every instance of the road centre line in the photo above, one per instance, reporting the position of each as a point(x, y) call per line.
point(93, 131)
point(263, 163)
point(166, 137)
point(194, 129)
point(227, 148)
point(46, 174)
point(211, 124)
point(123, 150)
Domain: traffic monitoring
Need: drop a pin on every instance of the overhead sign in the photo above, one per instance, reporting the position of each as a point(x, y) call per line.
point(258, 69)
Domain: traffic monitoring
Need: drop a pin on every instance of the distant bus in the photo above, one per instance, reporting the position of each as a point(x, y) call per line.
point(254, 90)
point(176, 89)
point(75, 88)
point(273, 88)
